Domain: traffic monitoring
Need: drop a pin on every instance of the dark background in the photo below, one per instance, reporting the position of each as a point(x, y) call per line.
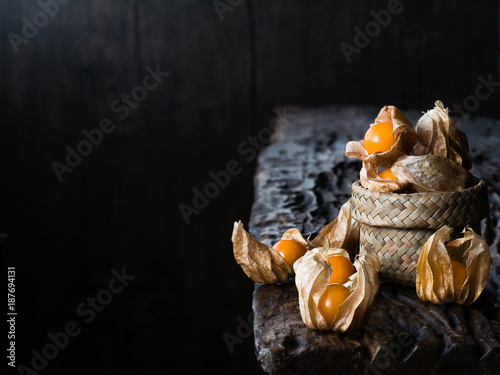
point(119, 207)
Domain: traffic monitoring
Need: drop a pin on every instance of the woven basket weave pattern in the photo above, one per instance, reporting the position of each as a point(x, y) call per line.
point(420, 210)
point(396, 249)
point(395, 226)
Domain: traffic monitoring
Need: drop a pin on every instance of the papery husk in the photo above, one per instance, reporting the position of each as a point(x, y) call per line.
point(431, 173)
point(312, 277)
point(405, 138)
point(370, 179)
point(403, 133)
point(295, 235)
point(438, 135)
point(435, 273)
point(260, 262)
point(343, 232)
point(369, 174)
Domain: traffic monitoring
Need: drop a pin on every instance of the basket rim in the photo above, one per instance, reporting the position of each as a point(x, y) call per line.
point(479, 184)
point(420, 210)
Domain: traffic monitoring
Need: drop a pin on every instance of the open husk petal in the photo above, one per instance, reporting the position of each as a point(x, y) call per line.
point(431, 173)
point(434, 273)
point(438, 135)
point(477, 260)
point(403, 133)
point(343, 232)
point(405, 138)
point(312, 276)
point(434, 270)
point(331, 251)
point(370, 179)
point(295, 235)
point(260, 262)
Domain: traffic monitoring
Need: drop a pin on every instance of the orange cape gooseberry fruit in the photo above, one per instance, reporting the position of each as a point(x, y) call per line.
point(342, 269)
point(379, 138)
point(459, 275)
point(387, 174)
point(290, 250)
point(330, 301)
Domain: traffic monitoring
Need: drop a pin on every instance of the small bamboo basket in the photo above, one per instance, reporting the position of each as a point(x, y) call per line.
point(395, 226)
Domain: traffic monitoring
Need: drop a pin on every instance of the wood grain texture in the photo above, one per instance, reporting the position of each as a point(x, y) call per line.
point(301, 181)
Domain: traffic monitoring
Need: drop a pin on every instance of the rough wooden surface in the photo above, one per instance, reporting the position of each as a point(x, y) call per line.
point(302, 180)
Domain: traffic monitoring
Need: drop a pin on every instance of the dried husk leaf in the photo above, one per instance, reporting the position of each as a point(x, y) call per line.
point(331, 251)
point(431, 173)
point(369, 174)
point(434, 270)
point(476, 257)
point(260, 262)
point(295, 235)
point(370, 179)
point(312, 276)
point(343, 232)
point(403, 133)
point(438, 135)
point(405, 137)
point(434, 273)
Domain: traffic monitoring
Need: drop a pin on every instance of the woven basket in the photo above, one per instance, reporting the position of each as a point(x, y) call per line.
point(397, 225)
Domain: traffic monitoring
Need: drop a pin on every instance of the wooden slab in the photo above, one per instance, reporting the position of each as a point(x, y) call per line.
point(302, 180)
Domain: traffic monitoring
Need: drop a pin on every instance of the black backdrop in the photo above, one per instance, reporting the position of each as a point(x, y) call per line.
point(229, 63)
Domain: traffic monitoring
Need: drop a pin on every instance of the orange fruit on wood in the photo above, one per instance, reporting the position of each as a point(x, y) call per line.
point(290, 250)
point(379, 138)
